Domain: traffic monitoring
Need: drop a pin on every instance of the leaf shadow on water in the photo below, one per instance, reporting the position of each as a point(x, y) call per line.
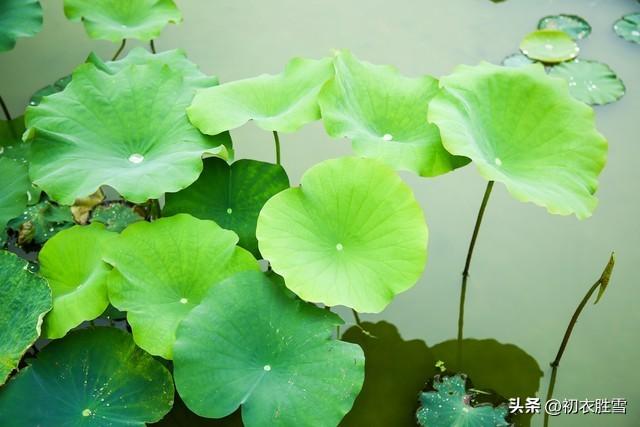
point(181, 416)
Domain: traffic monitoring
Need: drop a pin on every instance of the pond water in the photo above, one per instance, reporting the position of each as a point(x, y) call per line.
point(530, 268)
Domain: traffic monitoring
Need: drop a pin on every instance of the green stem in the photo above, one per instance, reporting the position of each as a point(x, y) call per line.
point(276, 138)
point(357, 317)
point(5, 110)
point(153, 46)
point(467, 264)
point(154, 209)
point(120, 49)
point(552, 385)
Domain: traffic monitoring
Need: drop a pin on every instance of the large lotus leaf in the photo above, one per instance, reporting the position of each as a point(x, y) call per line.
point(351, 234)
point(93, 377)
point(549, 46)
point(115, 20)
point(14, 189)
point(283, 103)
point(628, 27)
point(12, 146)
point(450, 405)
point(40, 222)
point(18, 18)
point(573, 25)
point(253, 344)
point(128, 130)
point(116, 216)
point(383, 113)
point(24, 300)
point(590, 81)
point(72, 263)
point(395, 374)
point(523, 128)
point(163, 269)
point(231, 195)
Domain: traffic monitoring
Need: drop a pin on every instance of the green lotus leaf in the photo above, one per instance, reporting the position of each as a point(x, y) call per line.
point(628, 27)
point(516, 60)
point(383, 114)
point(40, 222)
point(535, 138)
point(549, 46)
point(24, 300)
point(115, 216)
point(57, 86)
point(450, 406)
point(282, 103)
point(395, 374)
point(253, 344)
point(18, 18)
point(128, 130)
point(116, 20)
point(351, 234)
point(575, 26)
point(72, 263)
point(591, 82)
point(163, 269)
point(231, 195)
point(14, 189)
point(93, 377)
point(12, 146)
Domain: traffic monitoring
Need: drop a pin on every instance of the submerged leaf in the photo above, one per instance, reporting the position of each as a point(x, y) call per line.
point(116, 216)
point(40, 222)
point(352, 234)
point(549, 46)
point(18, 18)
point(628, 27)
point(575, 26)
point(591, 82)
point(252, 344)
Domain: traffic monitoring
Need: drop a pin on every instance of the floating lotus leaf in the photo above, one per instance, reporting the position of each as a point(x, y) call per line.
point(450, 406)
point(40, 222)
point(517, 60)
point(115, 20)
point(524, 129)
point(163, 269)
point(383, 114)
point(93, 377)
point(72, 263)
point(395, 374)
point(253, 344)
point(628, 27)
point(231, 195)
point(573, 25)
point(14, 189)
point(549, 46)
point(115, 216)
point(283, 103)
point(24, 300)
point(591, 82)
point(128, 130)
point(351, 234)
point(18, 18)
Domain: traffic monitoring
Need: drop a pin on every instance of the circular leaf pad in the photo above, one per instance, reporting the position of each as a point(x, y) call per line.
point(18, 18)
point(590, 81)
point(24, 300)
point(252, 344)
point(163, 269)
point(628, 27)
point(549, 46)
point(116, 20)
point(94, 377)
point(573, 25)
point(351, 234)
point(523, 128)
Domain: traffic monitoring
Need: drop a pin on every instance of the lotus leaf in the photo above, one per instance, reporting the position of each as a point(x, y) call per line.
point(40, 222)
point(351, 234)
point(283, 103)
point(12, 147)
point(628, 27)
point(163, 269)
point(57, 86)
point(517, 60)
point(18, 18)
point(128, 130)
point(573, 25)
point(115, 20)
point(536, 138)
point(14, 189)
point(383, 114)
point(72, 263)
point(231, 195)
point(591, 82)
point(549, 46)
point(93, 377)
point(115, 216)
point(24, 300)
point(253, 344)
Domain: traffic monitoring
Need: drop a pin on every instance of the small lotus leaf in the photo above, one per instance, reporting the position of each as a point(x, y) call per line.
point(253, 344)
point(282, 103)
point(128, 130)
point(14, 189)
point(18, 18)
point(40, 222)
point(351, 234)
point(72, 263)
point(628, 27)
point(591, 82)
point(93, 377)
point(535, 137)
point(24, 300)
point(573, 25)
point(549, 46)
point(163, 269)
point(115, 216)
point(383, 114)
point(231, 195)
point(517, 60)
point(57, 86)
point(115, 20)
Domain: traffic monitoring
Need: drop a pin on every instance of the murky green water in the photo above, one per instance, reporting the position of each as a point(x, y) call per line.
point(530, 268)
